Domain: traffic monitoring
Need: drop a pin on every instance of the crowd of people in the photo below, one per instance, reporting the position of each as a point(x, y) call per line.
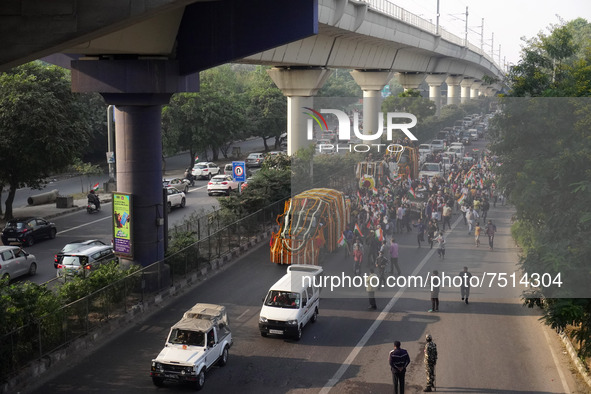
point(388, 206)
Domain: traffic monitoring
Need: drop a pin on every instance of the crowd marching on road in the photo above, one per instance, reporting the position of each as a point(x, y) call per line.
point(394, 206)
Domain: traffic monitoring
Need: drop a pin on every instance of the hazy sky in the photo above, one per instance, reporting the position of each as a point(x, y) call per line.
point(508, 19)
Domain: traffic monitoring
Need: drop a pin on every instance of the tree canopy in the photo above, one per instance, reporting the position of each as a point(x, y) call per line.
point(43, 126)
point(542, 139)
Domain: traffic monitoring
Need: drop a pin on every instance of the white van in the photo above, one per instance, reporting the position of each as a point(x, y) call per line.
point(291, 302)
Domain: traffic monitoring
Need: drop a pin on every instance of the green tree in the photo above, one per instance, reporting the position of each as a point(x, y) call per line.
point(42, 126)
point(267, 107)
point(544, 145)
point(210, 119)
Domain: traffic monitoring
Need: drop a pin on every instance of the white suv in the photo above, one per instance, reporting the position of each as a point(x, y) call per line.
point(205, 170)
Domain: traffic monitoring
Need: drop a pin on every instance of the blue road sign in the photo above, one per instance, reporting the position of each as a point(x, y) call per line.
point(239, 171)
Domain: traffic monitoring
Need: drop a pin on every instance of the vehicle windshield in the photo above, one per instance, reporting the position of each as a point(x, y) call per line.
point(17, 225)
point(72, 260)
point(424, 146)
point(215, 179)
point(283, 299)
point(185, 337)
point(430, 167)
point(253, 156)
point(200, 166)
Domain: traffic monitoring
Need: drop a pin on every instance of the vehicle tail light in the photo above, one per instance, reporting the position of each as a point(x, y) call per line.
point(25, 230)
point(209, 183)
point(60, 266)
point(224, 183)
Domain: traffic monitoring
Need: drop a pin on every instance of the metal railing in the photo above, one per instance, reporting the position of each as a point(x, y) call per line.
point(54, 331)
point(388, 8)
point(215, 239)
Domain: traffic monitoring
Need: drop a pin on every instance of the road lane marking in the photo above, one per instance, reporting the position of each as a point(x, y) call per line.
point(83, 225)
point(243, 314)
point(376, 324)
point(556, 363)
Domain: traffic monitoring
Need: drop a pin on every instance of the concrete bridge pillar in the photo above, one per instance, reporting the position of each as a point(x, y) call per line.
point(434, 81)
point(138, 138)
point(410, 80)
point(465, 84)
point(474, 89)
point(299, 85)
point(371, 82)
point(453, 89)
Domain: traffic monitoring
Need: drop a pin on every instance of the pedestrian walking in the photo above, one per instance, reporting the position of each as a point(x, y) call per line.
point(394, 257)
point(399, 360)
point(485, 207)
point(357, 257)
point(371, 280)
point(477, 230)
point(465, 286)
point(421, 228)
point(435, 285)
point(491, 229)
point(381, 265)
point(447, 216)
point(430, 362)
point(432, 230)
point(440, 245)
point(471, 216)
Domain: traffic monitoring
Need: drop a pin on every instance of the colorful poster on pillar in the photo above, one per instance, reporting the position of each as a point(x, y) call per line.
point(123, 224)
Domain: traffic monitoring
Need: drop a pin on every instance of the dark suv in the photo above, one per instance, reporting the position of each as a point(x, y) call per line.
point(27, 230)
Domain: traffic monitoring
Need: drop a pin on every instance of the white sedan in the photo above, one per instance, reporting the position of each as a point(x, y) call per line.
point(175, 198)
point(222, 184)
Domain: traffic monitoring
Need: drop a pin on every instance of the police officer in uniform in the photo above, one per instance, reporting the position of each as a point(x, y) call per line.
point(430, 361)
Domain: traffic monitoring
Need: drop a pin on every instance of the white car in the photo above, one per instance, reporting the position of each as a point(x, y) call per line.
point(424, 149)
point(15, 262)
point(457, 150)
point(175, 198)
point(430, 170)
point(222, 184)
point(205, 170)
point(437, 146)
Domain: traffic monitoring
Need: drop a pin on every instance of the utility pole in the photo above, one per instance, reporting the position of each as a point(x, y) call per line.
point(466, 34)
point(437, 29)
point(482, 36)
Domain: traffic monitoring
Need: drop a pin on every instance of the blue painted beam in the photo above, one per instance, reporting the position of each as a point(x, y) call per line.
point(218, 32)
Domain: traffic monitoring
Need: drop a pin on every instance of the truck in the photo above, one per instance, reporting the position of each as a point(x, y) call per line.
point(197, 342)
point(311, 221)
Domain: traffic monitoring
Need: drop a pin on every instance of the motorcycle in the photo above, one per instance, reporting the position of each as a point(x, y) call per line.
point(91, 207)
point(189, 177)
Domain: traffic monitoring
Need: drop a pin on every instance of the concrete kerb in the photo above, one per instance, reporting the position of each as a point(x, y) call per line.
point(576, 360)
point(81, 347)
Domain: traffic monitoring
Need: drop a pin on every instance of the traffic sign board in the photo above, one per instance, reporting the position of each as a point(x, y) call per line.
point(239, 171)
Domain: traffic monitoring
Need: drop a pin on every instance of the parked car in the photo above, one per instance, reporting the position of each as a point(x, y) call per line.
point(75, 246)
point(181, 185)
point(222, 184)
point(205, 170)
point(85, 261)
point(27, 230)
point(15, 262)
point(255, 160)
point(175, 198)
